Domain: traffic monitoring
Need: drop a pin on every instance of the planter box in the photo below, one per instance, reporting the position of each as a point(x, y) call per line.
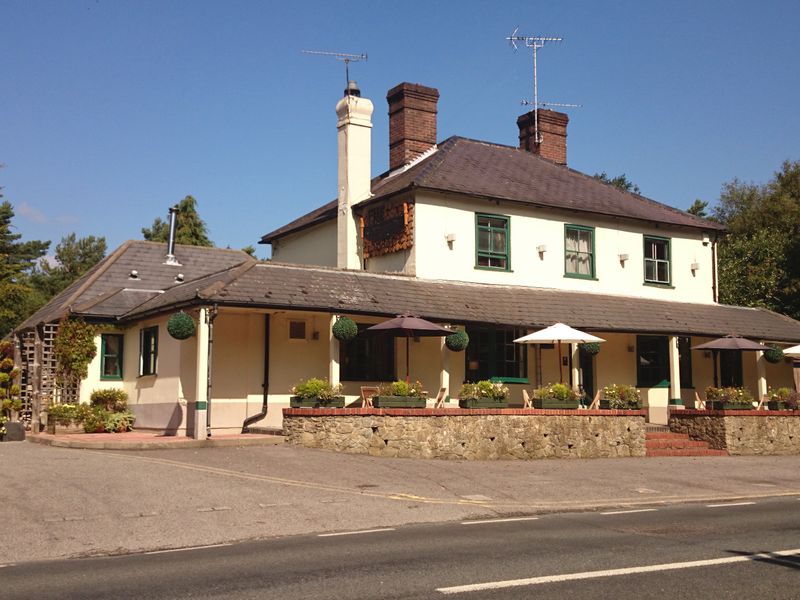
point(59, 429)
point(777, 405)
point(551, 403)
point(606, 404)
point(15, 432)
point(720, 405)
point(398, 402)
point(314, 402)
point(482, 403)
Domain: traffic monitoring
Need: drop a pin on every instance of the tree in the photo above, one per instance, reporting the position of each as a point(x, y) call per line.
point(191, 229)
point(759, 258)
point(620, 181)
point(698, 209)
point(73, 258)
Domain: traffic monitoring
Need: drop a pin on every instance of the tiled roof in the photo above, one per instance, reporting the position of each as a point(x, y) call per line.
point(275, 285)
point(475, 168)
point(107, 290)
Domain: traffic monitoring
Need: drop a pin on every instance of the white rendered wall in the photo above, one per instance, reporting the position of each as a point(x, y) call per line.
point(312, 246)
point(436, 217)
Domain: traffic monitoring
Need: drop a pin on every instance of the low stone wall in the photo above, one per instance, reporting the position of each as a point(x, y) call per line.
point(742, 432)
point(475, 434)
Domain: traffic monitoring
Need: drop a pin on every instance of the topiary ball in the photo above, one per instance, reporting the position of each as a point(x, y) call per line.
point(6, 365)
point(590, 348)
point(181, 326)
point(345, 329)
point(457, 341)
point(773, 355)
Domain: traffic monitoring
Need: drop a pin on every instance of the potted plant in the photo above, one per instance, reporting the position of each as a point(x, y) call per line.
point(483, 394)
point(10, 401)
point(555, 395)
point(316, 393)
point(400, 394)
point(783, 399)
point(729, 398)
point(620, 397)
point(65, 418)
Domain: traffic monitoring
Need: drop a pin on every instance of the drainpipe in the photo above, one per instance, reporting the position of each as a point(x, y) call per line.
point(714, 290)
point(211, 316)
point(257, 417)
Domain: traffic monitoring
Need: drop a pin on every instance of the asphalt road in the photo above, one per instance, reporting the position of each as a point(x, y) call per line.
point(718, 550)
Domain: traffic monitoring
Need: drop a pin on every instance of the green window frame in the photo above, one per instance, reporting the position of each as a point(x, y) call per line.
point(148, 351)
point(111, 352)
point(579, 251)
point(492, 242)
point(657, 260)
point(492, 354)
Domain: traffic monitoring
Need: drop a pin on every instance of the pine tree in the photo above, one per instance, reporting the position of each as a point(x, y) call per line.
point(191, 229)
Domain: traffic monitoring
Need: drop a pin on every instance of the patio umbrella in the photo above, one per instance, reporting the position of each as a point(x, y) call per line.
point(794, 351)
point(729, 342)
point(409, 326)
point(555, 334)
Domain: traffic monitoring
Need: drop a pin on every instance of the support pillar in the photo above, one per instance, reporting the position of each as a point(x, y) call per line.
point(334, 376)
point(761, 370)
point(444, 371)
point(576, 365)
point(201, 376)
point(675, 399)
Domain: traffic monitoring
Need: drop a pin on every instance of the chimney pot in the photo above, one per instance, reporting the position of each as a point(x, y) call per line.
point(552, 132)
point(412, 122)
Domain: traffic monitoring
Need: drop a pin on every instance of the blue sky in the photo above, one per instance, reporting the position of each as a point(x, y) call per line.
point(111, 111)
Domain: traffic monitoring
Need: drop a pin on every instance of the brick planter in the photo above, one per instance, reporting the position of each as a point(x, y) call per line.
point(471, 434)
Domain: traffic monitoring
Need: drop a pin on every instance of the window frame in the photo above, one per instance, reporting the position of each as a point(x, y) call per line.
point(289, 324)
point(484, 338)
point(104, 355)
point(650, 239)
point(578, 228)
point(490, 254)
point(152, 353)
point(663, 379)
point(349, 373)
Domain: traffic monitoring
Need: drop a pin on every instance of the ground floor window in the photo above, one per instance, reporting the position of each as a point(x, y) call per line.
point(492, 353)
point(730, 368)
point(148, 351)
point(111, 356)
point(367, 357)
point(652, 361)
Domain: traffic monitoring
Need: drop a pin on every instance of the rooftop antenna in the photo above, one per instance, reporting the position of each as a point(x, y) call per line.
point(535, 42)
point(345, 58)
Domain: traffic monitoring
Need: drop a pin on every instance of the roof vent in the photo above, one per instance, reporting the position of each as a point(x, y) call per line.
point(173, 222)
point(179, 278)
point(134, 274)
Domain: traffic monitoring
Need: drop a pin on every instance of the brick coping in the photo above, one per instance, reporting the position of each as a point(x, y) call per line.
point(457, 412)
point(690, 412)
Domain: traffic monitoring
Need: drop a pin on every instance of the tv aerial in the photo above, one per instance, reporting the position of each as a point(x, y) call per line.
point(535, 43)
point(342, 56)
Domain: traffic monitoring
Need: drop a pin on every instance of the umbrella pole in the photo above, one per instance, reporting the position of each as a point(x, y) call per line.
point(560, 376)
point(407, 371)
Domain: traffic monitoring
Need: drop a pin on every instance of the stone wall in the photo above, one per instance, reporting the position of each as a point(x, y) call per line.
point(482, 434)
point(742, 432)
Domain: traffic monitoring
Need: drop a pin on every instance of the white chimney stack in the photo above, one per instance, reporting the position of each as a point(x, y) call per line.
point(355, 114)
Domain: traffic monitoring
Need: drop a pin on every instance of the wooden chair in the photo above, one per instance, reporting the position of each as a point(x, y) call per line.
point(440, 397)
point(595, 405)
point(698, 403)
point(760, 405)
point(526, 399)
point(367, 393)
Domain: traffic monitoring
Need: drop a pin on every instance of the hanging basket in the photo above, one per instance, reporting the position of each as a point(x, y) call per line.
point(345, 329)
point(774, 355)
point(457, 341)
point(181, 326)
point(590, 348)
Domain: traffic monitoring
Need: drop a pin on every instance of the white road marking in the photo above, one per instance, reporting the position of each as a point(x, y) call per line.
point(187, 549)
point(627, 512)
point(729, 504)
point(509, 520)
point(494, 585)
point(355, 532)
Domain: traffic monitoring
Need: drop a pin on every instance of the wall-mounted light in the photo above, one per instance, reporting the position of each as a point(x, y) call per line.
point(541, 249)
point(450, 238)
point(623, 257)
point(706, 239)
point(695, 266)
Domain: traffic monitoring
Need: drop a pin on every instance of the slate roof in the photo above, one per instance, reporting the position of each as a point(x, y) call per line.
point(107, 291)
point(283, 286)
point(497, 172)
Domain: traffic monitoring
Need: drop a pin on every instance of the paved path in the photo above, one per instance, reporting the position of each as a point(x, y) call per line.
point(143, 440)
point(63, 502)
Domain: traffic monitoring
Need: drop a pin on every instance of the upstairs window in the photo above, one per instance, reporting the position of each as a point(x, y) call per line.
point(579, 251)
point(492, 242)
point(148, 351)
point(111, 356)
point(656, 260)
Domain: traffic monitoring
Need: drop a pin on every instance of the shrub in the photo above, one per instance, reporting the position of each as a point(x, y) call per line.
point(63, 414)
point(6, 365)
point(345, 329)
point(624, 397)
point(74, 348)
point(95, 420)
point(119, 422)
point(457, 341)
point(774, 355)
point(789, 398)
point(556, 391)
point(730, 395)
point(401, 388)
point(181, 326)
point(317, 388)
point(112, 399)
point(484, 389)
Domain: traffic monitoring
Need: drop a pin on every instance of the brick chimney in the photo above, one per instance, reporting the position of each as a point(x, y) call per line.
point(412, 122)
point(552, 132)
